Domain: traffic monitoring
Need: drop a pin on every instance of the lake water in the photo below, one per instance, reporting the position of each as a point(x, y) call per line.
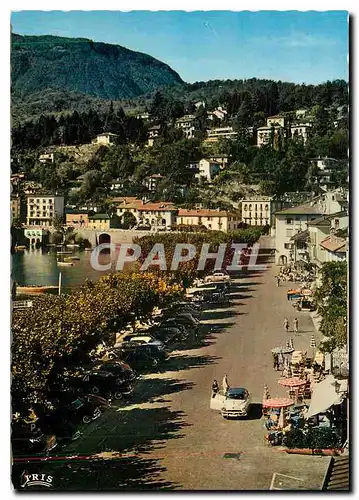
point(39, 267)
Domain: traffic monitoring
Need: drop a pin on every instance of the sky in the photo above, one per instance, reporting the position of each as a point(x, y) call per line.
point(302, 47)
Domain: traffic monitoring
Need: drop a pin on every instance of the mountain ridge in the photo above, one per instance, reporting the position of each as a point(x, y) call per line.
point(99, 69)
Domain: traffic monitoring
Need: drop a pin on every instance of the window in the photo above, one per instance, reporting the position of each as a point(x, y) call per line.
point(250, 207)
point(336, 223)
point(255, 206)
point(209, 218)
point(267, 208)
point(289, 221)
point(245, 207)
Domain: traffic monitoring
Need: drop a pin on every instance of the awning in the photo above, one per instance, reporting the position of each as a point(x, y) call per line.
point(325, 395)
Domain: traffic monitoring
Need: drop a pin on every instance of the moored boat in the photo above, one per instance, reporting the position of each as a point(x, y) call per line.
point(63, 253)
point(65, 264)
point(20, 248)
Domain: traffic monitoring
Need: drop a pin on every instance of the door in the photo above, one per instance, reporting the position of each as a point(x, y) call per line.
point(216, 402)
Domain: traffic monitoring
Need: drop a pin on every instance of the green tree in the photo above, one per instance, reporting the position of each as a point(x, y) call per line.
point(332, 301)
point(128, 220)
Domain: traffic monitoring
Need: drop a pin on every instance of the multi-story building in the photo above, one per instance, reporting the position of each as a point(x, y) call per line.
point(290, 221)
point(151, 181)
point(153, 134)
point(214, 134)
point(18, 208)
point(259, 210)
point(300, 130)
point(156, 214)
point(77, 218)
point(215, 220)
point(41, 210)
point(207, 169)
point(269, 133)
point(105, 139)
point(103, 222)
point(188, 124)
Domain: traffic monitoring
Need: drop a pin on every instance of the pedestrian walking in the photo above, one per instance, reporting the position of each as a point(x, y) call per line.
point(275, 362)
point(286, 324)
point(215, 388)
point(295, 325)
point(278, 280)
point(225, 385)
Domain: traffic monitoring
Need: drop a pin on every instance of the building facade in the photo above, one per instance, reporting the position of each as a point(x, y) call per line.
point(207, 170)
point(41, 210)
point(214, 134)
point(259, 210)
point(188, 124)
point(214, 220)
point(106, 139)
point(77, 218)
point(158, 214)
point(103, 222)
point(290, 221)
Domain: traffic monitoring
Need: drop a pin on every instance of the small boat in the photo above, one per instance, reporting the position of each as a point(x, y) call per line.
point(35, 289)
point(64, 264)
point(73, 245)
point(63, 253)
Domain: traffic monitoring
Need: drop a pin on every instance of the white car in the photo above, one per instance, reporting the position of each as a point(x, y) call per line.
point(236, 403)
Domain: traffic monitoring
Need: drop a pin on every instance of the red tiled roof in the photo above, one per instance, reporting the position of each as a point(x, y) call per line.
point(334, 243)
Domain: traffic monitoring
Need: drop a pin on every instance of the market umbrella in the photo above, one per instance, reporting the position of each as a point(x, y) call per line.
point(283, 350)
point(292, 382)
point(277, 403)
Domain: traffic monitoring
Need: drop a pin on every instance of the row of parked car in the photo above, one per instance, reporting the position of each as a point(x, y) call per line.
point(87, 393)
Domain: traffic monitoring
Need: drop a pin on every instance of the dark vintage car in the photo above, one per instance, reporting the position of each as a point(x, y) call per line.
point(78, 410)
point(121, 370)
point(144, 357)
point(107, 384)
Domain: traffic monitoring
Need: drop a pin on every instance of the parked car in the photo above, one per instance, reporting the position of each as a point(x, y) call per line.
point(236, 403)
point(140, 339)
point(78, 410)
point(150, 350)
point(142, 359)
point(105, 383)
point(181, 320)
point(121, 370)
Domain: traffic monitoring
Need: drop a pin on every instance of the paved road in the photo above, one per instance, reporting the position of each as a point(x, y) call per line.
point(170, 439)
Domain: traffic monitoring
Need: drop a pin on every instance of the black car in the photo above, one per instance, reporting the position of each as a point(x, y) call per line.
point(144, 357)
point(121, 370)
point(77, 410)
point(105, 383)
point(181, 321)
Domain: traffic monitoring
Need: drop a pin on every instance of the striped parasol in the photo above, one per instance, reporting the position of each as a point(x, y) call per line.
point(266, 393)
point(292, 382)
point(277, 403)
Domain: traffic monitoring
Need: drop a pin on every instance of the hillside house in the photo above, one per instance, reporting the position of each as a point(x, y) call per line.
point(188, 124)
point(214, 220)
point(106, 139)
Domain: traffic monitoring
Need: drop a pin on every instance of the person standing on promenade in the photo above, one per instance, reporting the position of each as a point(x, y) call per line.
point(295, 325)
point(225, 385)
point(286, 324)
